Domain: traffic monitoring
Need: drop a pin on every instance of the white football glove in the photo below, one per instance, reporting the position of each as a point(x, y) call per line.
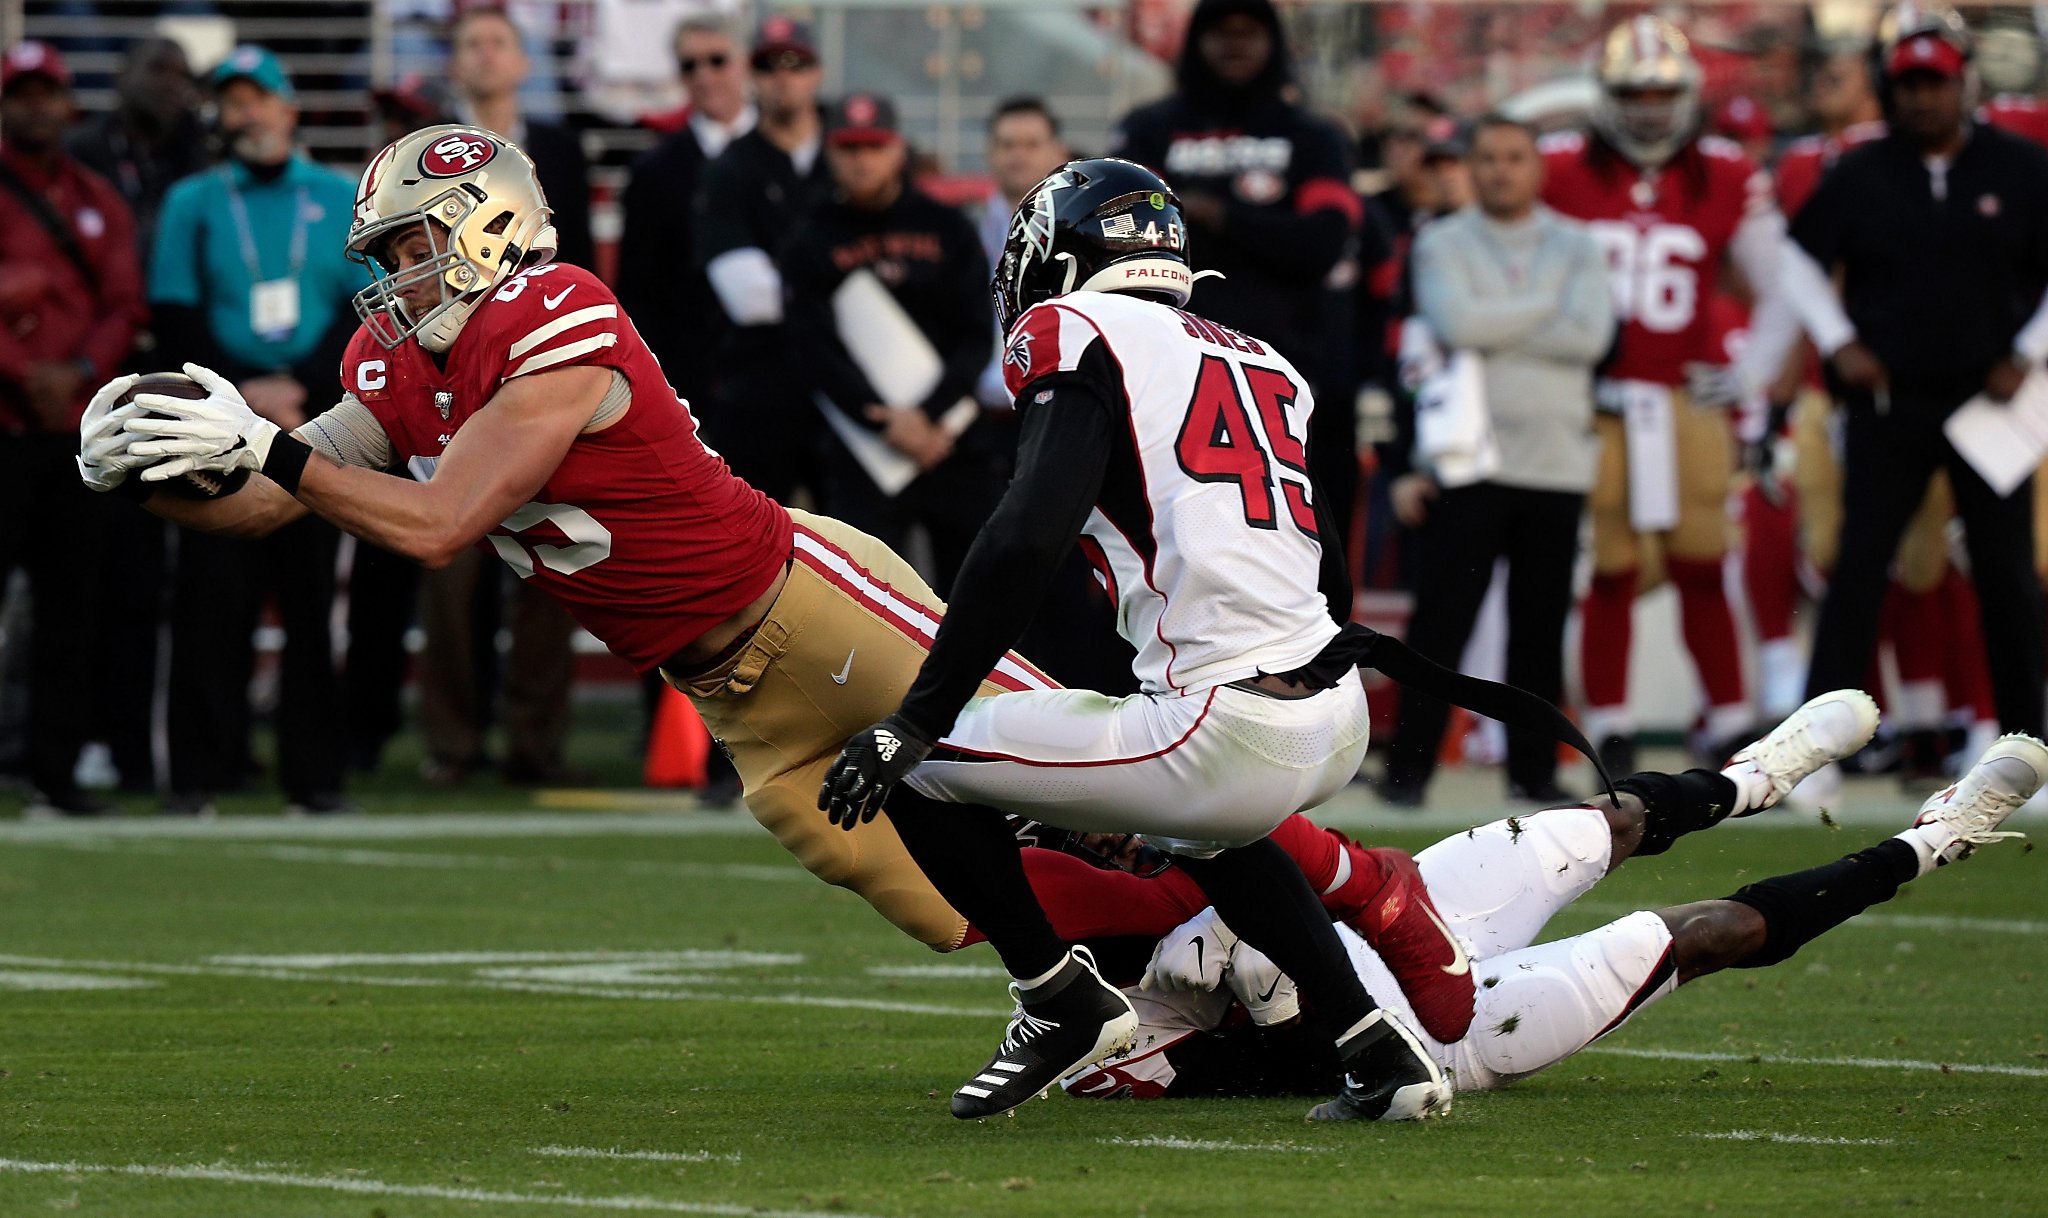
point(1268, 994)
point(218, 432)
point(1713, 385)
point(1192, 956)
point(103, 442)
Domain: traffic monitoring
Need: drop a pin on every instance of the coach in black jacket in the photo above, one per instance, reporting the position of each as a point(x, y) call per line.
point(660, 283)
point(1940, 233)
point(929, 259)
point(1265, 186)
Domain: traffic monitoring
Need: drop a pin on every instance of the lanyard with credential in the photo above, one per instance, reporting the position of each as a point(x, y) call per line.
point(246, 233)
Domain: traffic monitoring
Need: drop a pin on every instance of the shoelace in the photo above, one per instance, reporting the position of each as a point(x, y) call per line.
point(1976, 830)
point(1024, 1026)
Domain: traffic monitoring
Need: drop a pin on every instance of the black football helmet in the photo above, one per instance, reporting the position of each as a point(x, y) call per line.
point(1103, 225)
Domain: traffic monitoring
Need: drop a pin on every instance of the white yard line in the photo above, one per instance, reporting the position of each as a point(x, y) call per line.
point(1166, 1143)
point(382, 1188)
point(1791, 1139)
point(397, 826)
point(977, 971)
point(358, 857)
point(1858, 1063)
point(644, 1156)
point(686, 957)
point(648, 993)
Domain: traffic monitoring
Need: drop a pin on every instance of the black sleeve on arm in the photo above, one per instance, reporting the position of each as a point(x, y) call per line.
point(1334, 580)
point(1821, 224)
point(1062, 453)
point(808, 282)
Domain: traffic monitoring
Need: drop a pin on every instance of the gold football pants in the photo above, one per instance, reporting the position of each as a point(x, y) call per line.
point(836, 652)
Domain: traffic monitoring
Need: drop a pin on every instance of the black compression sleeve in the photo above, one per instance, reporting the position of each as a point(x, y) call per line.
point(1061, 455)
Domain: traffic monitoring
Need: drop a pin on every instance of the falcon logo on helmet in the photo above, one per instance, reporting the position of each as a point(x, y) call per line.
point(1102, 225)
point(479, 203)
point(1649, 105)
point(456, 155)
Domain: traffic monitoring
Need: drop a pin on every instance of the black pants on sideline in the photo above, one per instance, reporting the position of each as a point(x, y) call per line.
point(952, 501)
point(383, 590)
point(1886, 462)
point(57, 535)
point(132, 602)
point(1466, 531)
point(219, 588)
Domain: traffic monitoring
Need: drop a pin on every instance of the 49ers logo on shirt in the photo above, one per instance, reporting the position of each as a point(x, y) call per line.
point(456, 155)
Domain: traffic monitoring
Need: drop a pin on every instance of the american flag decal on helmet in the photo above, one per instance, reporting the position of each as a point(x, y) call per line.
point(1125, 225)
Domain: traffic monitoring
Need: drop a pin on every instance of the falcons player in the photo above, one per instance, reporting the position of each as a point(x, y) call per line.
point(1499, 885)
point(1176, 445)
point(1669, 206)
point(535, 421)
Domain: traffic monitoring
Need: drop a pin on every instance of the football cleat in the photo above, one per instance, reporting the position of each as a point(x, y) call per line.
point(1085, 1020)
point(1387, 1075)
point(2004, 778)
point(1826, 729)
point(1401, 923)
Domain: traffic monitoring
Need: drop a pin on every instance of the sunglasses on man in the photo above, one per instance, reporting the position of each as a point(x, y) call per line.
point(783, 61)
point(715, 61)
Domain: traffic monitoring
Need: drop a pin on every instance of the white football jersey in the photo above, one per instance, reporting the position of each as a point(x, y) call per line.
point(1205, 530)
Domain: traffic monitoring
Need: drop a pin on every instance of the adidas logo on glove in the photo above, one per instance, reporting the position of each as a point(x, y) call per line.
point(886, 743)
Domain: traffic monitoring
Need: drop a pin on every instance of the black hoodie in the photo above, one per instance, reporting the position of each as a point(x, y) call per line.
point(1283, 174)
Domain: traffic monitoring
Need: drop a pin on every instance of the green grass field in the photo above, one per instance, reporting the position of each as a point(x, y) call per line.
point(575, 1012)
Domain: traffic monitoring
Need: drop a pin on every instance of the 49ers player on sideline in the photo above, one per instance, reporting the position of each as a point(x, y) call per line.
point(535, 420)
point(1669, 205)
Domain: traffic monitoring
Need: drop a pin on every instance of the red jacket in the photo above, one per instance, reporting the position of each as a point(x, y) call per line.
point(49, 311)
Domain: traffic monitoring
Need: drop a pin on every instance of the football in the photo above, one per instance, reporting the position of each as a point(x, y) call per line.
point(197, 484)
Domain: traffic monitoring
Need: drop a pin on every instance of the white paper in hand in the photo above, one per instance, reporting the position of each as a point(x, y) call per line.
point(898, 360)
point(2005, 442)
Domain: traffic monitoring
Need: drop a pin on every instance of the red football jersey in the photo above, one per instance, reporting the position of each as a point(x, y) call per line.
point(642, 532)
point(1808, 157)
point(1666, 235)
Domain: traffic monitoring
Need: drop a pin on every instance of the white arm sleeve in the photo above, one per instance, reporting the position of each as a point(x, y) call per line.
point(348, 433)
point(1758, 250)
point(748, 285)
point(1811, 294)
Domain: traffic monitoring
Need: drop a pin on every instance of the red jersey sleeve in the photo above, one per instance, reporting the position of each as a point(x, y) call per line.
point(366, 373)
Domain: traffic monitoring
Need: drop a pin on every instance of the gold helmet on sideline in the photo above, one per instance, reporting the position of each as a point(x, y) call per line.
point(1647, 56)
point(484, 213)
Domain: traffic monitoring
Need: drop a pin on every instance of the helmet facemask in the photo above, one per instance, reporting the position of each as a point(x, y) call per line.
point(484, 221)
point(1652, 124)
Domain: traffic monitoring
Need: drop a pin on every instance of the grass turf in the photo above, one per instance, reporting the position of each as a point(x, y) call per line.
point(769, 1070)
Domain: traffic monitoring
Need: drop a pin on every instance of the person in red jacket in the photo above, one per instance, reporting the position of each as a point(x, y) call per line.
point(70, 304)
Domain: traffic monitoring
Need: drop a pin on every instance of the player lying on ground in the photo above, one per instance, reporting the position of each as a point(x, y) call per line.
point(1498, 885)
point(534, 419)
point(1174, 448)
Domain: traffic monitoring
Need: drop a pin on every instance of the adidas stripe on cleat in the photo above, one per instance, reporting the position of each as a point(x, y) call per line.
point(1072, 1022)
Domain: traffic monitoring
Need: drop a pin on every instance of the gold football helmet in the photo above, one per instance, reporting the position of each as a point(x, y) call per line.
point(1649, 90)
point(484, 214)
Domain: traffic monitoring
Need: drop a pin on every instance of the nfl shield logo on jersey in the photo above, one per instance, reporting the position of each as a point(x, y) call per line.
point(444, 402)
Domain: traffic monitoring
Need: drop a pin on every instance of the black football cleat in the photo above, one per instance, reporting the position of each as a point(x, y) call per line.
point(1073, 1021)
point(1388, 1076)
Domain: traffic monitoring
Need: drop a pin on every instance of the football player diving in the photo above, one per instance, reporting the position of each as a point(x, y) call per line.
point(534, 420)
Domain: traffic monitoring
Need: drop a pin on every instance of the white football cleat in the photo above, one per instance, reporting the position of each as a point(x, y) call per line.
point(1825, 730)
point(2005, 777)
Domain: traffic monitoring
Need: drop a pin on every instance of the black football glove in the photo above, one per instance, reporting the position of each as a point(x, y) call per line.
point(872, 763)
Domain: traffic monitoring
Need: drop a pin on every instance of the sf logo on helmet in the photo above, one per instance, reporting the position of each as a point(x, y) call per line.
point(456, 155)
